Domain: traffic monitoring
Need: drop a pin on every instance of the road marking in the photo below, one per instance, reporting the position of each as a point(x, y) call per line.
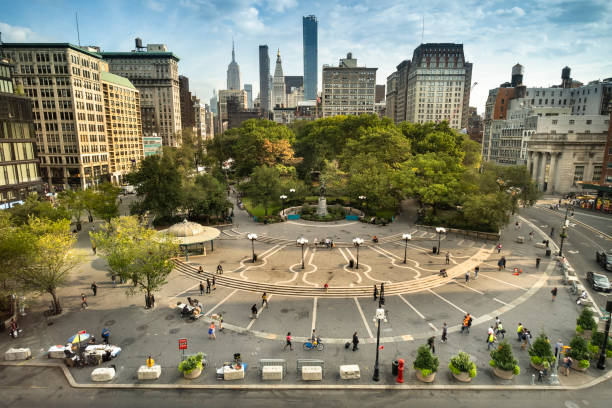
point(365, 322)
point(450, 303)
point(259, 311)
point(313, 271)
point(412, 307)
point(432, 326)
point(573, 252)
point(504, 282)
point(500, 301)
point(467, 287)
point(220, 303)
point(314, 312)
point(186, 290)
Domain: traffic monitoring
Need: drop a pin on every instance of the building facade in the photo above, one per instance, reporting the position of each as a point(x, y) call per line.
point(154, 72)
point(380, 94)
point(348, 89)
point(63, 81)
point(248, 88)
point(19, 164)
point(311, 67)
point(475, 127)
point(279, 97)
point(224, 96)
point(187, 109)
point(233, 73)
point(152, 145)
point(391, 97)
point(264, 78)
point(606, 167)
point(123, 125)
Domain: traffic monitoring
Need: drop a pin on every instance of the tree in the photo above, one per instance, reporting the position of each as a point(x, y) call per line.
point(136, 253)
point(206, 196)
point(384, 142)
point(52, 260)
point(375, 180)
point(74, 202)
point(16, 250)
point(34, 207)
point(335, 179)
point(487, 211)
point(264, 186)
point(105, 204)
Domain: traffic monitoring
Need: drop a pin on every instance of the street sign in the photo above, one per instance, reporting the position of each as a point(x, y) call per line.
point(182, 344)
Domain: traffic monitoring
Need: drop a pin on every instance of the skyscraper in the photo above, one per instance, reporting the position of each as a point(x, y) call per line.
point(264, 75)
point(233, 73)
point(309, 28)
point(248, 88)
point(278, 84)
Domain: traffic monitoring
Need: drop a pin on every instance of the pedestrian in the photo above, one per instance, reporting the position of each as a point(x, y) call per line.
point(447, 257)
point(219, 269)
point(207, 286)
point(84, 304)
point(264, 300)
point(500, 330)
point(288, 342)
point(211, 331)
point(467, 276)
point(201, 288)
point(93, 247)
point(200, 269)
point(531, 235)
point(114, 279)
point(518, 225)
point(519, 331)
point(94, 288)
point(375, 293)
point(490, 341)
point(469, 323)
point(214, 283)
point(503, 260)
point(553, 292)
point(499, 247)
point(567, 363)
point(490, 330)
point(528, 337)
point(444, 332)
point(430, 343)
point(500, 263)
point(476, 270)
point(538, 260)
point(14, 330)
point(355, 341)
point(558, 348)
point(326, 287)
point(152, 301)
point(220, 322)
point(552, 232)
point(106, 335)
point(254, 311)
point(464, 324)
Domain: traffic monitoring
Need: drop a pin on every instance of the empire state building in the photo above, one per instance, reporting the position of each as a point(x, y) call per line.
point(233, 73)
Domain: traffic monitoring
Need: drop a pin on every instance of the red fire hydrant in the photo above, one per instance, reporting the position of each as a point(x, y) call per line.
point(400, 371)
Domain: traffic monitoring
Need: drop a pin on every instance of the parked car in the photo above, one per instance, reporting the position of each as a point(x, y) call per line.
point(604, 258)
point(598, 281)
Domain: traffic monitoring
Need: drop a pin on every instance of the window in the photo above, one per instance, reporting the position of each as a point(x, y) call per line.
point(578, 174)
point(589, 121)
point(571, 122)
point(554, 122)
point(597, 172)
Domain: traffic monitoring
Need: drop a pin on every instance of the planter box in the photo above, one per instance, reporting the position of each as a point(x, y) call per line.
point(230, 373)
point(539, 367)
point(193, 374)
point(349, 372)
point(427, 379)
point(312, 373)
point(575, 366)
point(17, 354)
point(103, 374)
point(272, 373)
point(149, 373)
point(503, 374)
point(462, 376)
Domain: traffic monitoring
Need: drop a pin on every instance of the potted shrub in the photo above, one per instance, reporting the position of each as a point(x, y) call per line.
point(596, 343)
point(462, 368)
point(425, 365)
point(505, 366)
point(586, 323)
point(541, 353)
point(192, 366)
point(579, 353)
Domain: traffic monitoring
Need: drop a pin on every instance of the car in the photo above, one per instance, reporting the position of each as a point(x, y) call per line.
point(604, 258)
point(598, 281)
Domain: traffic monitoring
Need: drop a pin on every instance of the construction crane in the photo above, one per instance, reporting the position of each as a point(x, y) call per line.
point(450, 121)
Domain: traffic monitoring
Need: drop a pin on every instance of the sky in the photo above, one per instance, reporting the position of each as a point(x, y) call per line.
point(542, 35)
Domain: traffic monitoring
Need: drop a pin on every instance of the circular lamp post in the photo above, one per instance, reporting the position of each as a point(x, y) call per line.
point(302, 241)
point(440, 231)
point(362, 198)
point(357, 242)
point(380, 315)
point(292, 190)
point(252, 237)
point(406, 237)
point(283, 199)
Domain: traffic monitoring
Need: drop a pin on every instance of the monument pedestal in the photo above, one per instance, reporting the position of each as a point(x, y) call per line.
point(322, 207)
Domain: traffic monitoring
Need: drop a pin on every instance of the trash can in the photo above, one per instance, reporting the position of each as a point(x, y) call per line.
point(548, 252)
point(435, 249)
point(351, 263)
point(394, 367)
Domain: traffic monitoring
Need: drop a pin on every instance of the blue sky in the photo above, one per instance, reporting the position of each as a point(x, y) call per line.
point(543, 35)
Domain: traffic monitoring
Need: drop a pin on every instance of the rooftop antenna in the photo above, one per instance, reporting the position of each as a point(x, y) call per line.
point(76, 16)
point(423, 29)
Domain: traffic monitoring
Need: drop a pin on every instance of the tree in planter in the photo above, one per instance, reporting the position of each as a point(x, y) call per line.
point(503, 359)
point(586, 321)
point(580, 352)
point(461, 363)
point(597, 342)
point(541, 352)
point(425, 362)
point(52, 260)
point(191, 363)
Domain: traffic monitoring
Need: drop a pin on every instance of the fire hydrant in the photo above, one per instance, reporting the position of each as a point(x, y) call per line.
point(400, 371)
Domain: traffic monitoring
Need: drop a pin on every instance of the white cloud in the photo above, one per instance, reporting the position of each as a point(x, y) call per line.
point(155, 5)
point(248, 19)
point(281, 5)
point(16, 34)
point(518, 11)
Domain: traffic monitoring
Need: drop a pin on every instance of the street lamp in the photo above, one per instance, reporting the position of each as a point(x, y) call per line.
point(283, 198)
point(292, 190)
point(380, 315)
point(302, 241)
point(601, 363)
point(362, 198)
point(406, 237)
point(357, 242)
point(252, 237)
point(440, 231)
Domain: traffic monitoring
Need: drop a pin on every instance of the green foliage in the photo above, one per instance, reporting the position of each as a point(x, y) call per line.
point(35, 207)
point(462, 363)
point(375, 180)
point(426, 373)
point(264, 187)
point(579, 329)
point(425, 360)
point(191, 363)
point(104, 204)
point(579, 349)
point(541, 348)
point(536, 360)
point(503, 358)
point(205, 196)
point(598, 340)
point(586, 319)
point(516, 370)
point(584, 363)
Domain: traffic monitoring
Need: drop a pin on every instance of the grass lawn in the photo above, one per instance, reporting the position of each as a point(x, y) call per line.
point(258, 211)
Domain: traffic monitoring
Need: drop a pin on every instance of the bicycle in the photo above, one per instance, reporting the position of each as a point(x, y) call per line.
point(316, 345)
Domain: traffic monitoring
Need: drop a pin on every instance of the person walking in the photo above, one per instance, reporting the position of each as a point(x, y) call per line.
point(503, 259)
point(200, 270)
point(355, 341)
point(476, 270)
point(211, 331)
point(491, 341)
point(152, 301)
point(254, 311)
point(500, 264)
point(93, 247)
point(207, 286)
point(444, 333)
point(288, 342)
point(94, 288)
point(114, 280)
point(201, 288)
point(464, 324)
point(430, 343)
point(467, 276)
point(531, 235)
point(214, 284)
point(447, 257)
point(219, 269)
point(499, 247)
point(499, 329)
point(469, 323)
point(264, 300)
point(14, 330)
point(567, 363)
point(84, 304)
point(220, 322)
point(375, 293)
point(552, 232)
point(553, 292)
point(106, 335)
point(519, 331)
point(558, 348)
point(538, 260)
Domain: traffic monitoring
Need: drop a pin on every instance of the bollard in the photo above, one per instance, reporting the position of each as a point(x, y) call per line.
point(532, 379)
point(400, 371)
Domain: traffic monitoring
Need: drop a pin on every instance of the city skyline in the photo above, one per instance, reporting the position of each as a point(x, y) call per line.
point(382, 34)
